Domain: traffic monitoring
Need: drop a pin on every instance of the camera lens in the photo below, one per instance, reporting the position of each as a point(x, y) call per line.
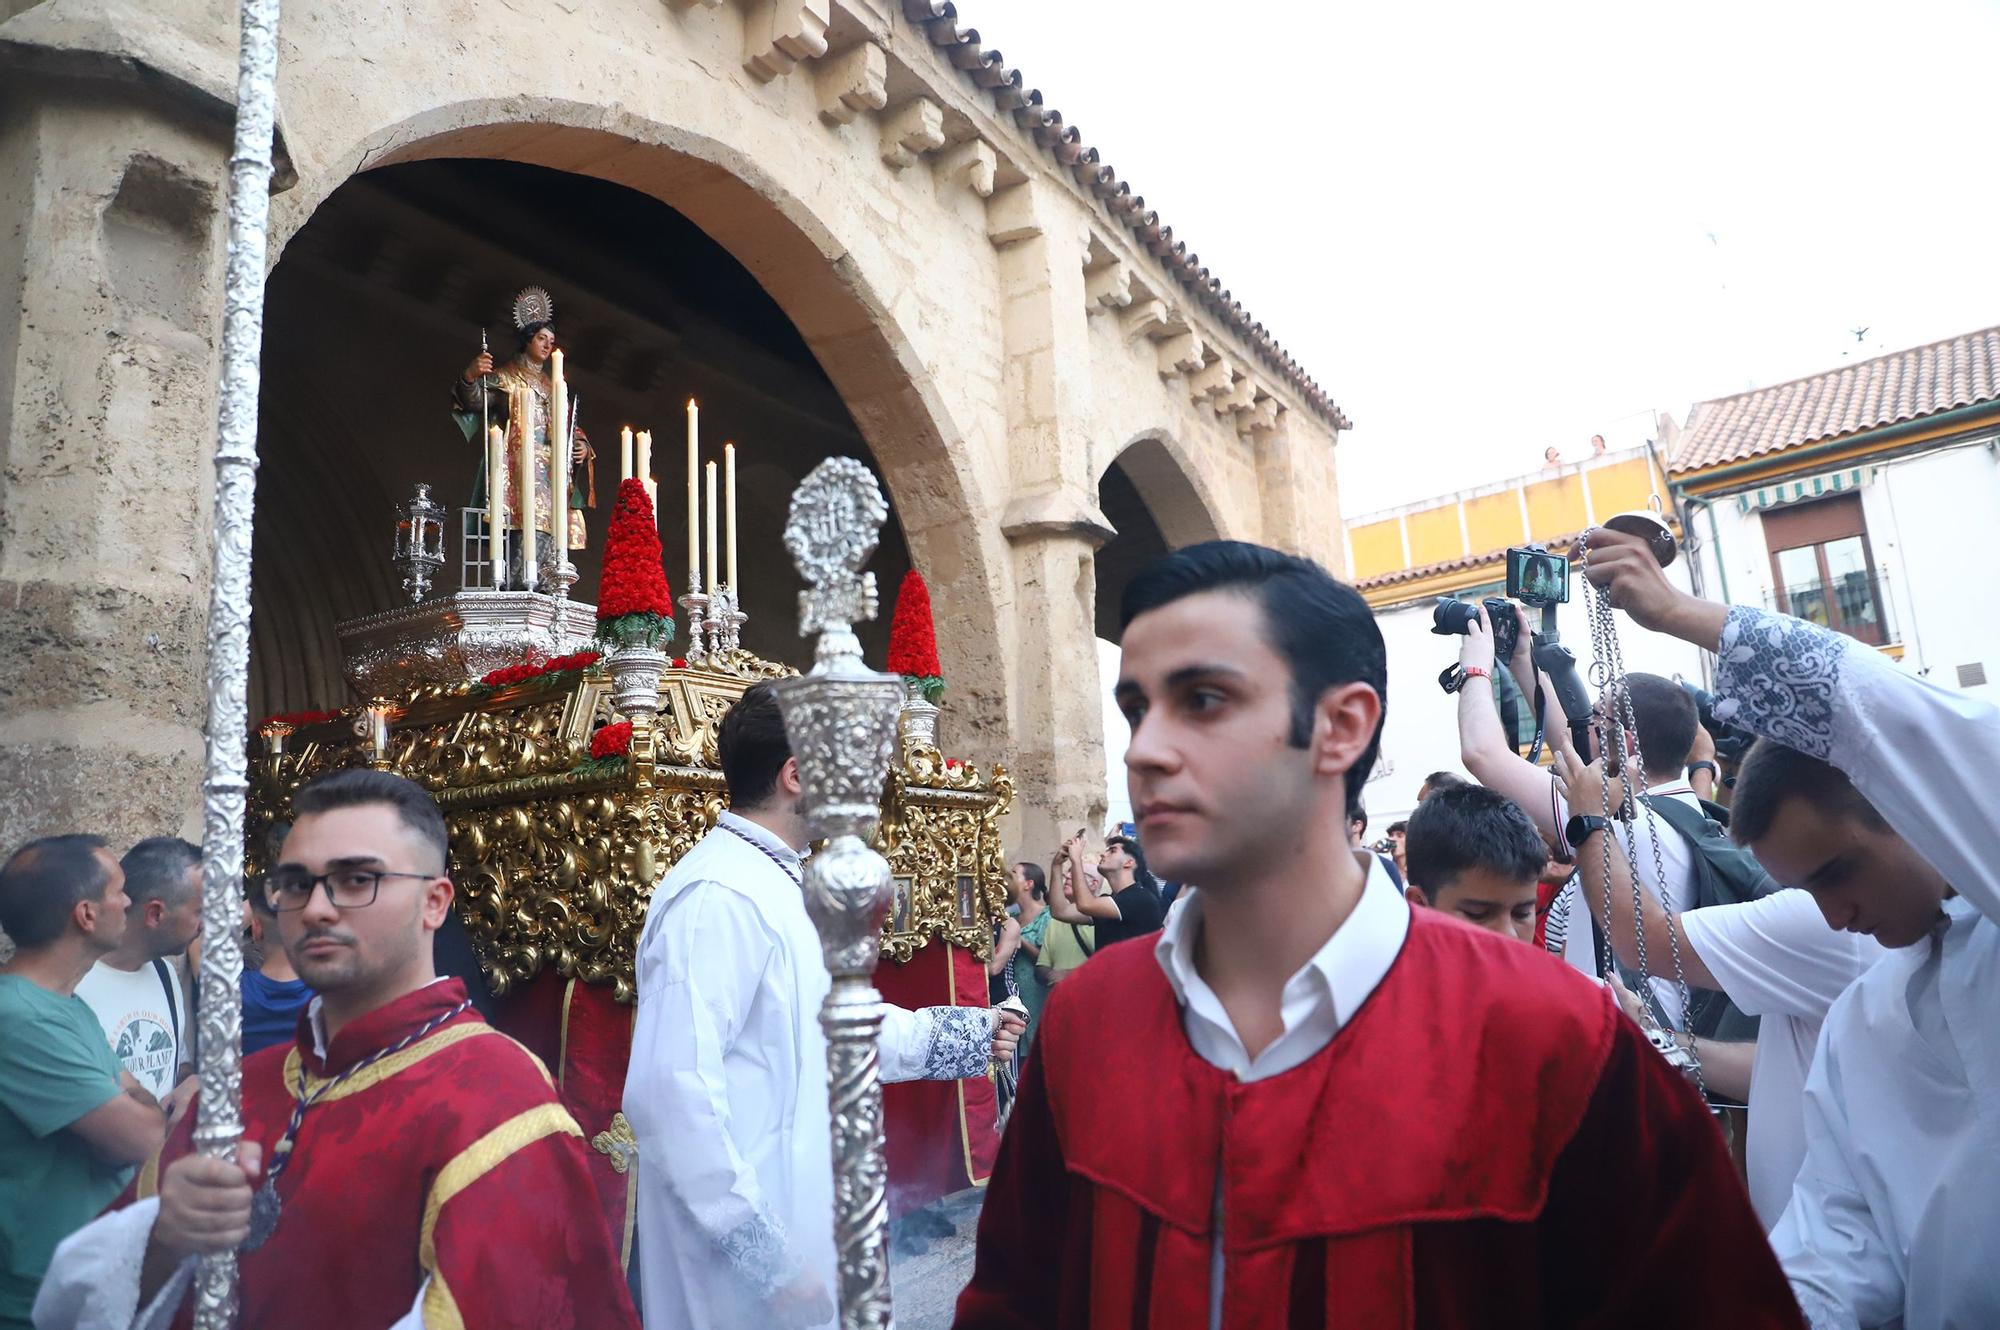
point(1452, 616)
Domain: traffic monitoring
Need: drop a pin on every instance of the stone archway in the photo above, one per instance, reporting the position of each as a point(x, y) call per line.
point(1156, 502)
point(852, 333)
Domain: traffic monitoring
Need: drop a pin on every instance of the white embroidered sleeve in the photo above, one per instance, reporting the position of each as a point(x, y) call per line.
point(1905, 742)
point(93, 1279)
point(936, 1043)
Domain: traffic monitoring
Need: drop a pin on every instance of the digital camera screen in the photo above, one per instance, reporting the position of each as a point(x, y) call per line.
point(1538, 577)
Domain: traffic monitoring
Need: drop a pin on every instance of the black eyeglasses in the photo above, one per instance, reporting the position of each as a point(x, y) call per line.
point(347, 888)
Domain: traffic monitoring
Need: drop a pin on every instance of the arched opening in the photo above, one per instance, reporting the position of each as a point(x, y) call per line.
point(1155, 504)
point(377, 305)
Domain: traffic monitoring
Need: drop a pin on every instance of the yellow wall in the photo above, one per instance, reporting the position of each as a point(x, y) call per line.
point(1434, 536)
point(1620, 489)
point(1555, 507)
point(1493, 522)
point(1378, 549)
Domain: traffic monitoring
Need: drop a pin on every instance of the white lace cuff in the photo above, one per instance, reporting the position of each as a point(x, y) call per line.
point(960, 1043)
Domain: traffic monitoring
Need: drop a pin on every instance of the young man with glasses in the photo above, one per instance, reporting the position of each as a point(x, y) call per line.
point(403, 1163)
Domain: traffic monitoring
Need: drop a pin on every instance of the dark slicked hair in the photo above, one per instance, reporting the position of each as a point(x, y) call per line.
point(1444, 780)
point(1321, 627)
point(1141, 874)
point(44, 881)
point(157, 869)
point(753, 746)
point(1470, 826)
point(1773, 774)
point(358, 787)
point(1666, 719)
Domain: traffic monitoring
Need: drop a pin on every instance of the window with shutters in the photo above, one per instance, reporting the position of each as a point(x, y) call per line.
point(1823, 569)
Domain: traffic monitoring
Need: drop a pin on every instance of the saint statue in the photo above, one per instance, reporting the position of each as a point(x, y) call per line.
point(516, 396)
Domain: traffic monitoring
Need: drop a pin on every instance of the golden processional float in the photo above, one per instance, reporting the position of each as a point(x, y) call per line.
point(571, 780)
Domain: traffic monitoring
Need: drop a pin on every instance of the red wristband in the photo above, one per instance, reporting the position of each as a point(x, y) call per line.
point(1470, 670)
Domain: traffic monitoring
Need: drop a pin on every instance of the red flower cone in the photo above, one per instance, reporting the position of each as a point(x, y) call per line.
point(633, 603)
point(912, 635)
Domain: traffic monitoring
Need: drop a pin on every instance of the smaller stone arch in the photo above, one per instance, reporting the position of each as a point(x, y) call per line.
point(1156, 501)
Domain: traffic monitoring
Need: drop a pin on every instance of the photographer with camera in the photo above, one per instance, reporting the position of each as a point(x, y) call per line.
point(1870, 790)
point(1665, 719)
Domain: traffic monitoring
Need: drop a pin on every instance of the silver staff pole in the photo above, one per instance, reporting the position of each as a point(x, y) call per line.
point(220, 1060)
point(841, 720)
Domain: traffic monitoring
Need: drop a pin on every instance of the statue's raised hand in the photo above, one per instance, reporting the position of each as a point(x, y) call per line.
point(481, 366)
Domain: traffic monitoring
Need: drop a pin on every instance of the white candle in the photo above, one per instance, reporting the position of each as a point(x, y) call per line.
point(625, 453)
point(645, 472)
point(524, 491)
point(496, 477)
point(559, 428)
point(711, 526)
point(729, 484)
point(694, 523)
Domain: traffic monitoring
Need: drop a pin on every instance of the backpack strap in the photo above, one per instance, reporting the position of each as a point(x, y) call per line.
point(167, 985)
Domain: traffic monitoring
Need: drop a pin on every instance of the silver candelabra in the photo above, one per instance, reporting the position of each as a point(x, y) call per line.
point(841, 719)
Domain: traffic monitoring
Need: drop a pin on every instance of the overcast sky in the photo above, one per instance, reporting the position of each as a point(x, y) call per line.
point(1487, 229)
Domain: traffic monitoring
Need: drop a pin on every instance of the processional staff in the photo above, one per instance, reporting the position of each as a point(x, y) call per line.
point(842, 723)
point(220, 1059)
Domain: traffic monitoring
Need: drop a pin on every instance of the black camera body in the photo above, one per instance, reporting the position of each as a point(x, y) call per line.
point(1732, 742)
point(1454, 617)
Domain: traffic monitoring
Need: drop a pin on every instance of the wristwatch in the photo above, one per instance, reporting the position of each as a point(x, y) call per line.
point(1581, 827)
point(1704, 765)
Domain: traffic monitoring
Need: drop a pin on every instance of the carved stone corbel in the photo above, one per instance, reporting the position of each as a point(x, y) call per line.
point(911, 130)
point(1107, 287)
point(1181, 355)
point(1013, 214)
point(778, 34)
point(1211, 381)
point(1242, 395)
point(1146, 318)
point(854, 81)
point(1261, 419)
point(973, 162)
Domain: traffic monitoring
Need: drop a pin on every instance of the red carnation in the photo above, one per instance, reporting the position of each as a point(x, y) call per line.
point(912, 636)
point(612, 741)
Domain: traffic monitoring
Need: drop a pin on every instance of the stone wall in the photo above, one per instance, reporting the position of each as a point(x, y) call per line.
point(998, 339)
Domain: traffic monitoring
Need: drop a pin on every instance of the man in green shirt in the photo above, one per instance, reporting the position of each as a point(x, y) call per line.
point(72, 1121)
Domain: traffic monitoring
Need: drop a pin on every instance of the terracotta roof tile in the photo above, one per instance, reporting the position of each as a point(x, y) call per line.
point(962, 47)
point(1904, 385)
point(1560, 545)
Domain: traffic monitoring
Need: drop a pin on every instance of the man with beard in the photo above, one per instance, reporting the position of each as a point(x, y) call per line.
point(404, 1164)
point(134, 989)
point(1423, 1124)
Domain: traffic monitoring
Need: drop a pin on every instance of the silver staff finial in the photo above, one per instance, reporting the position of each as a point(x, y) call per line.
point(841, 720)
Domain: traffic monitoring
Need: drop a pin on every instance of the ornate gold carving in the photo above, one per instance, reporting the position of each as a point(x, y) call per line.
point(618, 1144)
point(941, 822)
point(555, 861)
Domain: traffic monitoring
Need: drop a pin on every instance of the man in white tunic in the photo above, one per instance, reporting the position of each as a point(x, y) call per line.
point(727, 1086)
point(1895, 1218)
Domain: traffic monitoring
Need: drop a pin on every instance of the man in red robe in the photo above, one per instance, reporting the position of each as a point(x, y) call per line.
point(1309, 1105)
point(431, 1179)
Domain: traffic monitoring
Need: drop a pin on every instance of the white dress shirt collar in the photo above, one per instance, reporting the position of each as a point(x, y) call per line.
point(1317, 1001)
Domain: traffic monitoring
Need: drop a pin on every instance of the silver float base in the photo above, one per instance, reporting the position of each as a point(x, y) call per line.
point(459, 638)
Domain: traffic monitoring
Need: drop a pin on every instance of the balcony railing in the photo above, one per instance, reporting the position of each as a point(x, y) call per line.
point(1857, 604)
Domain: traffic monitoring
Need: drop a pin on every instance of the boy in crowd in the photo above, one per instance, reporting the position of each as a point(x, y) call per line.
point(1475, 855)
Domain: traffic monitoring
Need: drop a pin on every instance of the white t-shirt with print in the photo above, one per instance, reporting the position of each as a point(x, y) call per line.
point(146, 1033)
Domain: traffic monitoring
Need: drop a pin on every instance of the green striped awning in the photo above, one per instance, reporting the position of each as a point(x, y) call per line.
point(1798, 491)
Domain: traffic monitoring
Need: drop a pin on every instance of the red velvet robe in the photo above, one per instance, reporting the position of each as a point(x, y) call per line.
point(1487, 1142)
point(451, 1160)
